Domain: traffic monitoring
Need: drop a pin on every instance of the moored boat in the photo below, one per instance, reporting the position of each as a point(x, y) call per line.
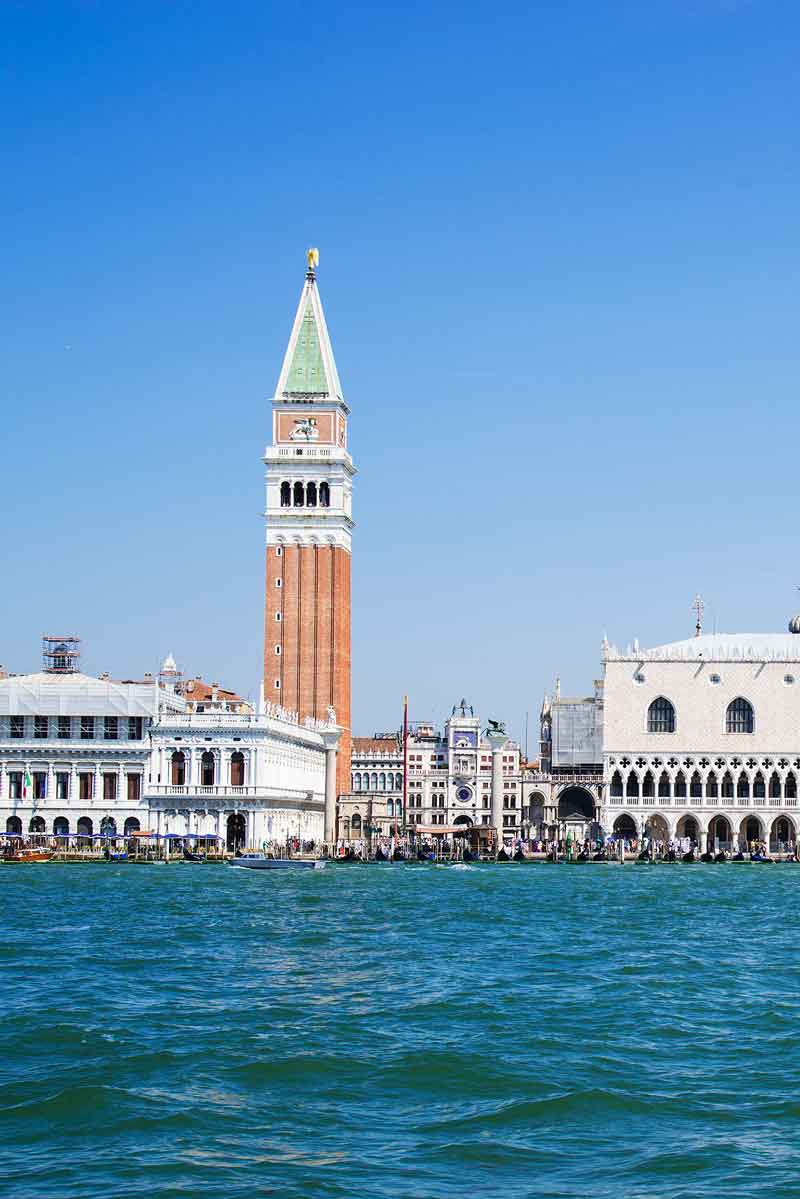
point(29, 855)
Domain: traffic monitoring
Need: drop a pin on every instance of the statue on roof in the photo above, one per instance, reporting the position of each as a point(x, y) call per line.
point(495, 726)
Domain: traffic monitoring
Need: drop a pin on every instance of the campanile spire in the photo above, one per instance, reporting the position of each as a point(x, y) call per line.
point(309, 524)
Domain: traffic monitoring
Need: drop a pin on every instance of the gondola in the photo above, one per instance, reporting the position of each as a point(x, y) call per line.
point(380, 856)
point(689, 857)
point(189, 856)
point(738, 857)
point(503, 856)
point(707, 857)
point(398, 856)
point(519, 856)
point(467, 856)
point(721, 857)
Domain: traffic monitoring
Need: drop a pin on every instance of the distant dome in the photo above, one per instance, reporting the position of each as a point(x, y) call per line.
point(169, 665)
point(794, 624)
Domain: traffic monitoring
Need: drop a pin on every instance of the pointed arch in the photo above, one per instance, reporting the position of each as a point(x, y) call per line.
point(616, 784)
point(696, 786)
point(664, 791)
point(712, 788)
point(739, 717)
point(661, 716)
point(743, 787)
point(790, 786)
point(759, 786)
point(774, 785)
point(727, 785)
point(632, 786)
point(680, 785)
point(648, 786)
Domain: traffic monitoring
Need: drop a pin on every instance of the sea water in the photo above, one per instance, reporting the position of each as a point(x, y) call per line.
point(400, 1030)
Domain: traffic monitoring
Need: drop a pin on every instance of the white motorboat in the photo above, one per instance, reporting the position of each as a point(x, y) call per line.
point(258, 861)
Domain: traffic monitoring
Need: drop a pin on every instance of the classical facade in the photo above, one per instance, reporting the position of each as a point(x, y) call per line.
point(702, 739)
point(453, 776)
point(81, 756)
point(309, 475)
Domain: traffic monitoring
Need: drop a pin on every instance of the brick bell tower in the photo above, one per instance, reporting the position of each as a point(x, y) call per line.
point(309, 478)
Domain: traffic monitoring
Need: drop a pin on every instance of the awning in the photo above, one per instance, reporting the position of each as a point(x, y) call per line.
point(444, 830)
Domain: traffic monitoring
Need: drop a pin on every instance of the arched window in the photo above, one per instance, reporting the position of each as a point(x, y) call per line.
point(382, 782)
point(237, 768)
point(390, 807)
point(373, 782)
point(398, 782)
point(207, 769)
point(661, 716)
point(355, 823)
point(178, 769)
point(616, 783)
point(739, 717)
point(774, 785)
point(357, 781)
point(85, 827)
point(727, 785)
point(299, 495)
point(759, 787)
point(61, 826)
point(712, 790)
point(108, 825)
point(286, 495)
point(790, 787)
point(632, 787)
point(680, 785)
point(743, 786)
point(311, 495)
point(131, 826)
point(648, 786)
point(696, 786)
point(324, 495)
point(14, 825)
point(36, 825)
point(663, 785)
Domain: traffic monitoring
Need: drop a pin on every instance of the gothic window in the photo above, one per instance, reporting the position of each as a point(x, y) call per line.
point(324, 495)
point(311, 495)
point(712, 789)
point(696, 786)
point(739, 717)
point(790, 788)
point(398, 782)
point(759, 787)
point(286, 495)
point(661, 716)
point(178, 769)
point(727, 785)
point(774, 785)
point(680, 785)
point(616, 783)
point(663, 785)
point(648, 786)
point(237, 769)
point(633, 785)
point(743, 786)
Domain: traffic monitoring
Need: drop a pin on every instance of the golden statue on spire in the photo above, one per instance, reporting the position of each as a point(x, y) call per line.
point(313, 259)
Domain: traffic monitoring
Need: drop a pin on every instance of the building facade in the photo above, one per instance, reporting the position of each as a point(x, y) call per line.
point(309, 474)
point(702, 739)
point(81, 756)
point(450, 780)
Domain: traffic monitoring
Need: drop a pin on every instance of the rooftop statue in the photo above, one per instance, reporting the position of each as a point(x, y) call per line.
point(495, 726)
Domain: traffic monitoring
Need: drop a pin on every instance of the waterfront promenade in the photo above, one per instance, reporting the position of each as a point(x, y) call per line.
point(435, 1031)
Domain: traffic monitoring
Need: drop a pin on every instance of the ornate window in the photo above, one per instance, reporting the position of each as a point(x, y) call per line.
point(680, 785)
point(661, 716)
point(790, 787)
point(207, 766)
point(774, 785)
point(663, 785)
point(178, 769)
point(633, 785)
point(712, 789)
point(739, 717)
point(616, 783)
point(286, 495)
point(727, 785)
point(237, 769)
point(648, 786)
point(357, 781)
point(743, 786)
point(759, 787)
point(696, 786)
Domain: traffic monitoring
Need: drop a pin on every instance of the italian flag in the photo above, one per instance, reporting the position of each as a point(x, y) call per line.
point(27, 785)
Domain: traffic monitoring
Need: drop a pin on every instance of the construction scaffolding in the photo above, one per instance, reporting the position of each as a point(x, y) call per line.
point(61, 655)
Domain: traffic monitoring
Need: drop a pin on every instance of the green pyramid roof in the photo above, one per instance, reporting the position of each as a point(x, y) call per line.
point(306, 374)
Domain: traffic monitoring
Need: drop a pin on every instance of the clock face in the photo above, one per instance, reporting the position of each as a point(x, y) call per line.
point(464, 794)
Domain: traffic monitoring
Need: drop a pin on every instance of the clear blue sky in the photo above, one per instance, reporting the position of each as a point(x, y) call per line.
point(559, 259)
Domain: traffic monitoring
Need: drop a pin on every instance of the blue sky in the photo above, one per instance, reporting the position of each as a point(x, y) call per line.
point(559, 259)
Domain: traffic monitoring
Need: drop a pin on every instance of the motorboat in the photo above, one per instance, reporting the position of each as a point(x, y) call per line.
point(30, 855)
point(258, 861)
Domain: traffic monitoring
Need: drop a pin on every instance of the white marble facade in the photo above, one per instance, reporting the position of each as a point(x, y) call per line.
point(81, 756)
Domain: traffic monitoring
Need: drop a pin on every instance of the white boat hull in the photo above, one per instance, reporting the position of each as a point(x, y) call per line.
point(254, 863)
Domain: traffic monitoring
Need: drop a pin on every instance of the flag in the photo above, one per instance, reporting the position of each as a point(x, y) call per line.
point(27, 785)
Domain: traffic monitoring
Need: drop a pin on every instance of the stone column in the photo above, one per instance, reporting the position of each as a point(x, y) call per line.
point(497, 742)
point(331, 740)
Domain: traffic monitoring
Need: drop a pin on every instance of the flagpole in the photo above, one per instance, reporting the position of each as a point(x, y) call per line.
point(405, 765)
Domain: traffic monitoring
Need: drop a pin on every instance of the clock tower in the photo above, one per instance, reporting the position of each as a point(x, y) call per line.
point(309, 476)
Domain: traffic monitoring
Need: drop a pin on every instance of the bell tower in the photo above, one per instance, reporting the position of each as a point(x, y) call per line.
point(309, 476)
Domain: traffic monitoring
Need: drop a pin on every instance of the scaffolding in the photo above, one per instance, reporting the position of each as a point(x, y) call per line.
point(61, 655)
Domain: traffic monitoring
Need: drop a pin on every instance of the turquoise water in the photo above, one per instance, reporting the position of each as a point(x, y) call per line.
point(400, 1031)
